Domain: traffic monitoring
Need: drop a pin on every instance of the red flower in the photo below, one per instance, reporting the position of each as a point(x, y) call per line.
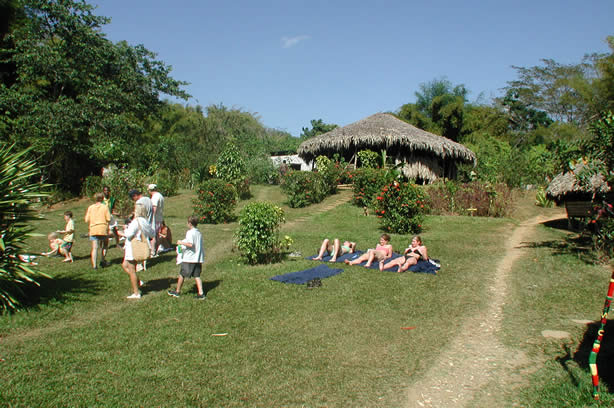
point(380, 198)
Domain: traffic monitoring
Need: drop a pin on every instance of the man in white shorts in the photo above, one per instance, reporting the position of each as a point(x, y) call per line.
point(157, 202)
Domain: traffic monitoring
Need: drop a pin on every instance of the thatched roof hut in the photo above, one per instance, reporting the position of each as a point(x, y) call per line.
point(565, 185)
point(426, 155)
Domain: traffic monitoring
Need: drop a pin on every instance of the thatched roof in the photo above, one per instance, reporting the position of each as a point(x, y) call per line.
point(567, 183)
point(383, 131)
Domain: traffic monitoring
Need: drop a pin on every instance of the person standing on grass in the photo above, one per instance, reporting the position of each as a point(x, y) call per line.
point(110, 201)
point(193, 257)
point(140, 229)
point(97, 218)
point(145, 201)
point(157, 202)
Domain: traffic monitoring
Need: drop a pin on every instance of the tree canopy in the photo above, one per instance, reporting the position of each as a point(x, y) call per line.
point(78, 99)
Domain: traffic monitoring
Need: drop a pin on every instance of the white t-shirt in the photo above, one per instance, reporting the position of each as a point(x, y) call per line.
point(157, 200)
point(196, 254)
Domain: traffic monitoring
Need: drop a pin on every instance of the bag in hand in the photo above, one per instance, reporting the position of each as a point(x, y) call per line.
point(140, 249)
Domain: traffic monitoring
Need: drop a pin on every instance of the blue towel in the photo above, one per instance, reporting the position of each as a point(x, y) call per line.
point(321, 271)
point(431, 266)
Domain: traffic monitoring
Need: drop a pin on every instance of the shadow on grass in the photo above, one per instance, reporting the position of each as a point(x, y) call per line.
point(605, 358)
point(62, 289)
point(579, 245)
point(162, 284)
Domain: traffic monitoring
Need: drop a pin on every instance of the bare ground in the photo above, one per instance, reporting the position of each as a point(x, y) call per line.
point(477, 368)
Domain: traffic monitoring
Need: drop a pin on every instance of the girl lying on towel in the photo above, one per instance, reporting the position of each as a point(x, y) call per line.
point(382, 251)
point(336, 249)
point(416, 252)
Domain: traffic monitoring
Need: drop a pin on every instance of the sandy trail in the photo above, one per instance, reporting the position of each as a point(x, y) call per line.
point(476, 367)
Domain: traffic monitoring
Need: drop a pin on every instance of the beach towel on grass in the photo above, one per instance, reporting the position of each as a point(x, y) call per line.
point(300, 277)
point(326, 258)
point(375, 264)
point(431, 266)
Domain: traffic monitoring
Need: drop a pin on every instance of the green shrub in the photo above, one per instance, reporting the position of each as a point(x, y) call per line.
point(367, 184)
point(166, 181)
point(91, 185)
point(18, 190)
point(258, 235)
point(261, 170)
point(369, 159)
point(541, 200)
point(231, 167)
point(401, 207)
point(215, 202)
point(330, 172)
point(303, 188)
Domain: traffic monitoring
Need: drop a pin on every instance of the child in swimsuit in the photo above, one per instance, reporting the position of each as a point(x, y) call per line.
point(416, 252)
point(381, 252)
point(336, 249)
point(57, 246)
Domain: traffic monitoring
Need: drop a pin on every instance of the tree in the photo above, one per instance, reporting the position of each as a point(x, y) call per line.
point(79, 100)
point(438, 88)
point(562, 92)
point(318, 127)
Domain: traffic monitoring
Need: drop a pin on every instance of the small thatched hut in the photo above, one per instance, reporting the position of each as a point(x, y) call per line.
point(578, 199)
point(565, 187)
point(426, 156)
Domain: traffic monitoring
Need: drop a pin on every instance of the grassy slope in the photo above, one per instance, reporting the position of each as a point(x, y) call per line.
point(340, 345)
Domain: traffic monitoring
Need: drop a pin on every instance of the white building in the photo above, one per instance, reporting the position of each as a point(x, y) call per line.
point(293, 161)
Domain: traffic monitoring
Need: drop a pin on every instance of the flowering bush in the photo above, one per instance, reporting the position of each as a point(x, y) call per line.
point(401, 207)
point(367, 184)
point(258, 235)
point(215, 202)
point(303, 188)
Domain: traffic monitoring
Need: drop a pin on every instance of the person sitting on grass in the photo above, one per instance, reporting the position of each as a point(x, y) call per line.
point(192, 258)
point(336, 249)
point(165, 238)
point(57, 247)
point(382, 251)
point(69, 235)
point(416, 252)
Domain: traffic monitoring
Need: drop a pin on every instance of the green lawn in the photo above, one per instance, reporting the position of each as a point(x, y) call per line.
point(83, 344)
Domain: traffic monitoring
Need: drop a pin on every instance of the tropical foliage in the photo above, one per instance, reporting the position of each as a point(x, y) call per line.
point(19, 188)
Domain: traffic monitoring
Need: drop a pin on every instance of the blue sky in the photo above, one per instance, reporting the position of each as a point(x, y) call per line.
point(289, 62)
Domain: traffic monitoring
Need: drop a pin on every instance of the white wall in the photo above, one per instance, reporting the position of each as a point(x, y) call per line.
point(292, 161)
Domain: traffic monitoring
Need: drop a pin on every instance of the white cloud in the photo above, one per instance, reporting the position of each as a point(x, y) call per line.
point(287, 42)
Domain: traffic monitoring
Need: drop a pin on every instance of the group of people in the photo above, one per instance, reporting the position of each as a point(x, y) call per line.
point(381, 253)
point(145, 224)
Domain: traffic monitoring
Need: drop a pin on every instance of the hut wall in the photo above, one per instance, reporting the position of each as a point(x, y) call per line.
point(423, 168)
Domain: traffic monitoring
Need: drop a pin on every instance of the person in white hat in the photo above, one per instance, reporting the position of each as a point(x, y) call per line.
point(157, 201)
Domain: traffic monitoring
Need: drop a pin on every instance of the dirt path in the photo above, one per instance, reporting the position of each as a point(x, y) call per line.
point(476, 367)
